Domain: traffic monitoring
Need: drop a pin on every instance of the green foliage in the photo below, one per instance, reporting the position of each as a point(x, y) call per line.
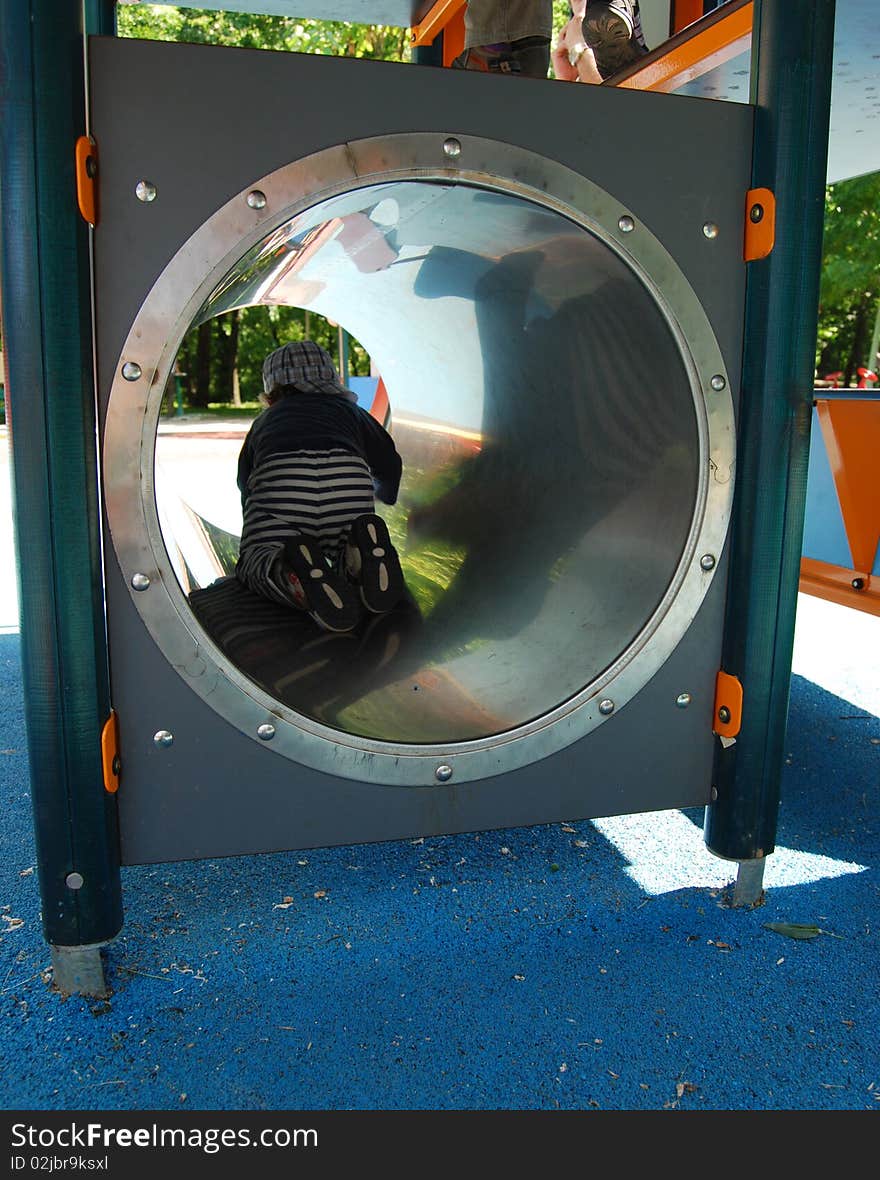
point(159, 22)
point(206, 381)
point(849, 298)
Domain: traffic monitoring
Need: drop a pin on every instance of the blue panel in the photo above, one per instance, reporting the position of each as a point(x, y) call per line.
point(824, 534)
point(365, 388)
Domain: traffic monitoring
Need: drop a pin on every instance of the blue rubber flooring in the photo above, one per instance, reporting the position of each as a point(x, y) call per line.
point(528, 969)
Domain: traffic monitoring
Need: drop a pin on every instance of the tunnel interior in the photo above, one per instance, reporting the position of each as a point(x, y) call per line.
point(549, 431)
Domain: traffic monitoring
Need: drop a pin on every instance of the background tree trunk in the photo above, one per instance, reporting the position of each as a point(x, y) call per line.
point(860, 342)
point(200, 391)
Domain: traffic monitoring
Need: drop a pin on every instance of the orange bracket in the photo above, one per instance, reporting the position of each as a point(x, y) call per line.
point(436, 20)
point(728, 705)
point(86, 155)
point(760, 234)
point(110, 754)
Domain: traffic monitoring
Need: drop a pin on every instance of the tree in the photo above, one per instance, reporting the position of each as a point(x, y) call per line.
point(849, 299)
point(159, 22)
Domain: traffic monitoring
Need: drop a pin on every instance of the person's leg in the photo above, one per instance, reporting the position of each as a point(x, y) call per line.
point(508, 37)
point(354, 538)
point(281, 554)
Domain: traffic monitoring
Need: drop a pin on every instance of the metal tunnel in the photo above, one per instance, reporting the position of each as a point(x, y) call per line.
point(549, 429)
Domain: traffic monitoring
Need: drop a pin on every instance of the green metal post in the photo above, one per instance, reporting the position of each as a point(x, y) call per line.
point(51, 409)
point(792, 47)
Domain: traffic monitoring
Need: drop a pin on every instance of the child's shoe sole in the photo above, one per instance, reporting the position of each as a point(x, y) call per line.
point(371, 561)
point(608, 31)
point(327, 597)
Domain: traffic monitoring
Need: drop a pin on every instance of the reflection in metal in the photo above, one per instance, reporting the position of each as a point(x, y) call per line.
point(561, 468)
point(551, 468)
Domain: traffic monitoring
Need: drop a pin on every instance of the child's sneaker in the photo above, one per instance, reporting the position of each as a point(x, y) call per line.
point(613, 30)
point(314, 587)
point(371, 562)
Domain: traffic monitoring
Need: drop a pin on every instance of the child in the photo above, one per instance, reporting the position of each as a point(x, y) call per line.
point(308, 471)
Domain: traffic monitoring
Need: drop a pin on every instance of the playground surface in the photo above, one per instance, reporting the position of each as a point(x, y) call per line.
point(591, 965)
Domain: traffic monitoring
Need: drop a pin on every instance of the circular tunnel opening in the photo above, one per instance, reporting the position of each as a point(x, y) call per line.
point(549, 424)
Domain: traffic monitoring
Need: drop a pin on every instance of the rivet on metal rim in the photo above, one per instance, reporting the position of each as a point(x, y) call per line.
point(265, 732)
point(140, 582)
point(74, 881)
point(131, 371)
point(707, 562)
point(756, 214)
point(256, 199)
point(717, 382)
point(626, 224)
point(145, 191)
point(724, 715)
point(443, 774)
point(683, 700)
point(714, 794)
point(710, 230)
point(452, 148)
point(606, 707)
point(163, 737)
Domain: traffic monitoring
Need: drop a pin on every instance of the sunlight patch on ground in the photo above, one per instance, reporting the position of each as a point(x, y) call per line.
point(666, 852)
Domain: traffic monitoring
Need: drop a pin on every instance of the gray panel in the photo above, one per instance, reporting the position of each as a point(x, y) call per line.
point(691, 166)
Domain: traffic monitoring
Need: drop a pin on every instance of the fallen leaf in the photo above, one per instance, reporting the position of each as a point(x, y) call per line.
point(569, 828)
point(320, 893)
point(519, 978)
point(793, 929)
point(682, 1088)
